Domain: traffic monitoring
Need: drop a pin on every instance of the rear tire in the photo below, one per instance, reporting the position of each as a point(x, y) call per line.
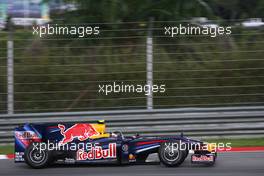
point(171, 156)
point(37, 158)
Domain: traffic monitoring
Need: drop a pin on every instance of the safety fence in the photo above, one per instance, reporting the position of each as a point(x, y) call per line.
point(63, 73)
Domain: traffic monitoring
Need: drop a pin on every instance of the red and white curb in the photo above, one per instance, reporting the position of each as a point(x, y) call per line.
point(9, 156)
point(233, 149)
point(244, 149)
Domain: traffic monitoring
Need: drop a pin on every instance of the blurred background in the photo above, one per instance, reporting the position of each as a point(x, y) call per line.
point(214, 85)
point(62, 73)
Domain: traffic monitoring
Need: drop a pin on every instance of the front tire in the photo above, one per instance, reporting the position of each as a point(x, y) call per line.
point(170, 154)
point(37, 158)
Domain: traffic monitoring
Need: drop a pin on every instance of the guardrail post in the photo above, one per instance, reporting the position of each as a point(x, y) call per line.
point(149, 63)
point(10, 69)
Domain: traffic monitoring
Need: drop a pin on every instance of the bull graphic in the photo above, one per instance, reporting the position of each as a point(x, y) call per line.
point(82, 131)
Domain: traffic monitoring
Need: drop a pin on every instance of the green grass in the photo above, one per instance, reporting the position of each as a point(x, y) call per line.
point(7, 149)
point(240, 142)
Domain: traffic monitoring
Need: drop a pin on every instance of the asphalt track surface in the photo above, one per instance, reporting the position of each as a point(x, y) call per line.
point(233, 164)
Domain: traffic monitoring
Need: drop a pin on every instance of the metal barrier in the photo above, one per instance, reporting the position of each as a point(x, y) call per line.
point(195, 122)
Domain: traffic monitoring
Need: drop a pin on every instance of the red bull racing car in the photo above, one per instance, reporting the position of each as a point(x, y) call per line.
point(40, 145)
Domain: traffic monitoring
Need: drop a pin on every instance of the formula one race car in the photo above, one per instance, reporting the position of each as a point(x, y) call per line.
point(40, 145)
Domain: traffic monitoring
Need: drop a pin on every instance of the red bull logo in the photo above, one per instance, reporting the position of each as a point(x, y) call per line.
point(26, 135)
point(97, 153)
point(202, 158)
point(82, 131)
